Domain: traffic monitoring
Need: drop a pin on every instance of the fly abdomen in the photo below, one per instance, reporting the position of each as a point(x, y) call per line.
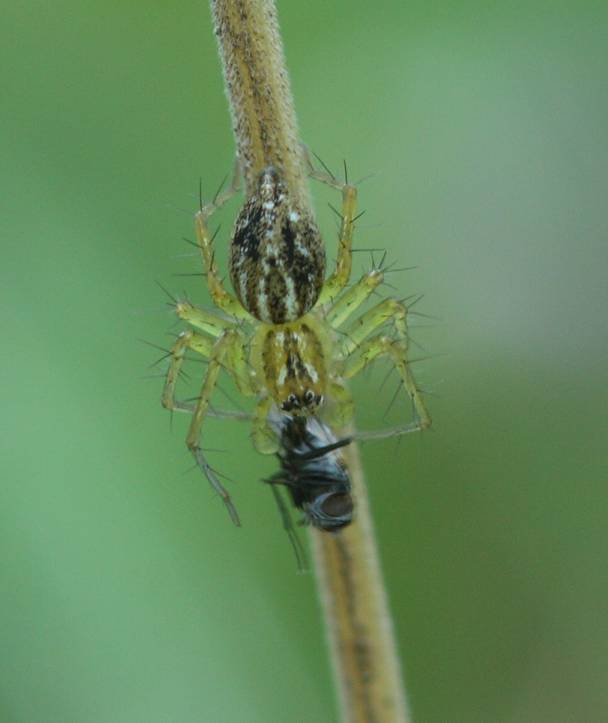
point(277, 258)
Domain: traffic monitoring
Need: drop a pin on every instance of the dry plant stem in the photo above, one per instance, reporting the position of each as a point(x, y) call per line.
point(359, 625)
point(257, 85)
point(350, 581)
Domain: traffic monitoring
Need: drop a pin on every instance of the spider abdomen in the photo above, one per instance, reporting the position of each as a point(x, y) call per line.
point(277, 257)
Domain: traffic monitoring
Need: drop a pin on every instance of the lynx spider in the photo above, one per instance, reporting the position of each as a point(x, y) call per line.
point(285, 338)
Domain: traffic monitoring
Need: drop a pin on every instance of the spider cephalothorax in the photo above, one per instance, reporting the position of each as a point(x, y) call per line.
point(292, 359)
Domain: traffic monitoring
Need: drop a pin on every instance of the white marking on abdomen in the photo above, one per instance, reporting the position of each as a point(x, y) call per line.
point(243, 286)
point(262, 300)
point(302, 249)
point(290, 297)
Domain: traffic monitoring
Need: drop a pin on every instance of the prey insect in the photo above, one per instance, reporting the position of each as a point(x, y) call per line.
point(288, 336)
point(315, 474)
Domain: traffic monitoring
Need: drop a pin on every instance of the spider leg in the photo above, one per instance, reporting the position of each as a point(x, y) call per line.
point(221, 298)
point(222, 197)
point(342, 412)
point(202, 319)
point(186, 340)
point(226, 352)
point(221, 354)
point(338, 280)
point(264, 438)
point(348, 302)
point(358, 351)
point(388, 310)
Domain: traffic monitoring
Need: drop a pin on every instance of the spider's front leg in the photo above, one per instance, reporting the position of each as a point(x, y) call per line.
point(342, 411)
point(187, 340)
point(264, 438)
point(227, 352)
point(358, 351)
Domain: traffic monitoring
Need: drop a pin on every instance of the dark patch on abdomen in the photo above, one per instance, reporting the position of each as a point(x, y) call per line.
point(276, 292)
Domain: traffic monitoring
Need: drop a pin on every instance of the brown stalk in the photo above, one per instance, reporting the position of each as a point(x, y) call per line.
point(258, 90)
point(357, 616)
point(352, 592)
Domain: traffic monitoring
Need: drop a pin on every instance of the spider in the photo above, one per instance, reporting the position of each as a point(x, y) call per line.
point(287, 336)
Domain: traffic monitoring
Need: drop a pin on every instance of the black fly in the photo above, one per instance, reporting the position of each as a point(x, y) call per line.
point(315, 475)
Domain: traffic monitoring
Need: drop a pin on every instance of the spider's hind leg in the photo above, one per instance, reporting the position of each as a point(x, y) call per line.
point(205, 240)
point(338, 280)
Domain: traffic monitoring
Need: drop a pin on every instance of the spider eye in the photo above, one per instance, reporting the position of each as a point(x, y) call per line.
point(290, 403)
point(309, 397)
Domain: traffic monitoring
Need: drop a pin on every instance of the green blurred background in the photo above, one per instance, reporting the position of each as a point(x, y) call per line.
point(126, 594)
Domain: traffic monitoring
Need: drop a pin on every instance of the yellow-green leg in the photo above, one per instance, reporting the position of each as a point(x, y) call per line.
point(351, 300)
point(236, 363)
point(358, 351)
point(185, 341)
point(223, 197)
point(226, 352)
point(202, 319)
point(264, 439)
point(369, 322)
point(342, 412)
point(221, 298)
point(375, 347)
point(222, 354)
point(216, 360)
point(338, 280)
